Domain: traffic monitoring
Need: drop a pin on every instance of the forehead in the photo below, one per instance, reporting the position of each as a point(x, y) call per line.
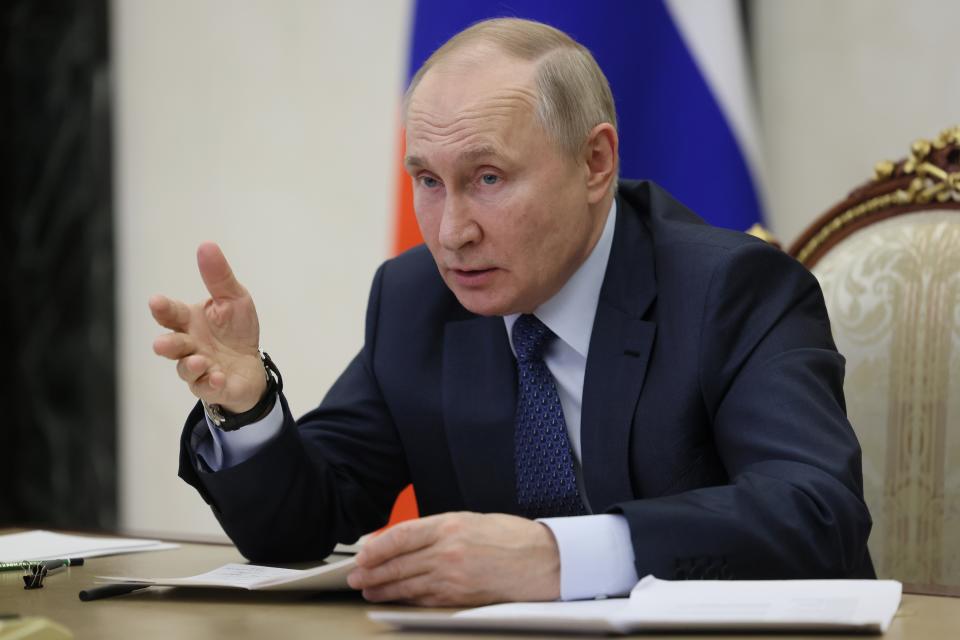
point(477, 101)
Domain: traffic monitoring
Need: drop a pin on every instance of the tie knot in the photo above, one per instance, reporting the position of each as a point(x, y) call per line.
point(530, 337)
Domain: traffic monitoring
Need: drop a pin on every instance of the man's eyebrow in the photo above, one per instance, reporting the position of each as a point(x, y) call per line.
point(468, 154)
point(413, 161)
point(479, 151)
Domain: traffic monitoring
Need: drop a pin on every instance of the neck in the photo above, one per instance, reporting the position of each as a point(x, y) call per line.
point(598, 214)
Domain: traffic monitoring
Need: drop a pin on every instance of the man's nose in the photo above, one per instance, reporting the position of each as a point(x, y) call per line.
point(457, 227)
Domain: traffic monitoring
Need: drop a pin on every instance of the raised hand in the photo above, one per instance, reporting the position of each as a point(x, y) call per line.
point(215, 343)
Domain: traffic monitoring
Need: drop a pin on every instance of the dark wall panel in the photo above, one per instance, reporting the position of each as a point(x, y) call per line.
point(58, 419)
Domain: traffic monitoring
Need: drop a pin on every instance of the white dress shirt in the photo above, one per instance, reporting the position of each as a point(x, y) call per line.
point(596, 554)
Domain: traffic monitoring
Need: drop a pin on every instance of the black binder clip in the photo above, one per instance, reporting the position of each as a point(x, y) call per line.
point(40, 570)
point(34, 580)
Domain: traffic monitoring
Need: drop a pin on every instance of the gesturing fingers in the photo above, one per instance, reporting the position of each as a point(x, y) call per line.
point(174, 346)
point(192, 368)
point(216, 273)
point(170, 313)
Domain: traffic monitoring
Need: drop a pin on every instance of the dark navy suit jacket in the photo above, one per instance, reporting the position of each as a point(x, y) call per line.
point(713, 415)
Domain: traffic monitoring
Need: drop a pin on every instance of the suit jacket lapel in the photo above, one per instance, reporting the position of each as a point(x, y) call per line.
point(479, 398)
point(620, 347)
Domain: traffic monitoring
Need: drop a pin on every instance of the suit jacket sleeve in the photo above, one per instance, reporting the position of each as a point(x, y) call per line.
point(329, 477)
point(771, 381)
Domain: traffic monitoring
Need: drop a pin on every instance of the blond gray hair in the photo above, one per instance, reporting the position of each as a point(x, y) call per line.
point(573, 94)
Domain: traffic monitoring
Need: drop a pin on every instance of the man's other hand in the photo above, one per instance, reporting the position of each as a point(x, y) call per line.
point(215, 343)
point(460, 559)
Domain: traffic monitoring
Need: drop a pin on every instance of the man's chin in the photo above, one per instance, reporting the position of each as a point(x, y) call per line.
point(483, 303)
point(482, 308)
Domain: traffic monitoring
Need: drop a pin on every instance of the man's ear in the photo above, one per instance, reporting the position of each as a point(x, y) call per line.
point(600, 159)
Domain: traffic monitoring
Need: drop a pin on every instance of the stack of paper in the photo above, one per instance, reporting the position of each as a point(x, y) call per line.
point(660, 605)
point(326, 577)
point(46, 545)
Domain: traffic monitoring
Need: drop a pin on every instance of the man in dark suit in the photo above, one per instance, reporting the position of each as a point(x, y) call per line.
point(585, 384)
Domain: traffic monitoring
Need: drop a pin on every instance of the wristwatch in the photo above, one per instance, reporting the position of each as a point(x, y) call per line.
point(227, 421)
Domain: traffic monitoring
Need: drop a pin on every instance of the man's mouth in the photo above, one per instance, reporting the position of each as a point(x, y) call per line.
point(472, 277)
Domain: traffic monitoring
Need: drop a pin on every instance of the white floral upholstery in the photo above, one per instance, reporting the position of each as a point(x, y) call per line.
point(893, 293)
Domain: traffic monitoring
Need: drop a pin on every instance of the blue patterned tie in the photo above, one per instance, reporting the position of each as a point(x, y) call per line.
point(546, 482)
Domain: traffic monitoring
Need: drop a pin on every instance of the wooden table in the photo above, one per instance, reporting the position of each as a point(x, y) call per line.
point(183, 614)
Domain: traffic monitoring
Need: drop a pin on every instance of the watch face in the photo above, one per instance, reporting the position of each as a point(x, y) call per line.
point(214, 412)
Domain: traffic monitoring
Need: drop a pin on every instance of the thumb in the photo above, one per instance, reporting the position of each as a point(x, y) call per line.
point(216, 273)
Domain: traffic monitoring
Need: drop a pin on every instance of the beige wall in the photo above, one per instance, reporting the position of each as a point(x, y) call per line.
point(843, 84)
point(270, 128)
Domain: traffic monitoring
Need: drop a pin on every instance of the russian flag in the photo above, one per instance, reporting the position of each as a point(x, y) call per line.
point(680, 80)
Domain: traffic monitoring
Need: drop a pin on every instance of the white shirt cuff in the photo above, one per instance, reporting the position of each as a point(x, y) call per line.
point(226, 449)
point(596, 555)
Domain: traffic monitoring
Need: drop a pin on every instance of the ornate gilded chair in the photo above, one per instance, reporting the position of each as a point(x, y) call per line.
point(888, 259)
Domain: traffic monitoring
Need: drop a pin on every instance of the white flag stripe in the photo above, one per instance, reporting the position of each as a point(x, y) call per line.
point(713, 33)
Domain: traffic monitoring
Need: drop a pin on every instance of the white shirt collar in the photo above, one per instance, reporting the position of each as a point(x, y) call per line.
point(570, 312)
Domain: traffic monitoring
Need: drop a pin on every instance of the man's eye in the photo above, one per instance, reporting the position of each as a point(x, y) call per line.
point(489, 178)
point(429, 182)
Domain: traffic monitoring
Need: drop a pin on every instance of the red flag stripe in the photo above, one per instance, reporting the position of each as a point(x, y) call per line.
point(406, 235)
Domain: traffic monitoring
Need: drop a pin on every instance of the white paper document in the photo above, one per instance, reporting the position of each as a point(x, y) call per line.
point(660, 605)
point(327, 577)
point(46, 545)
